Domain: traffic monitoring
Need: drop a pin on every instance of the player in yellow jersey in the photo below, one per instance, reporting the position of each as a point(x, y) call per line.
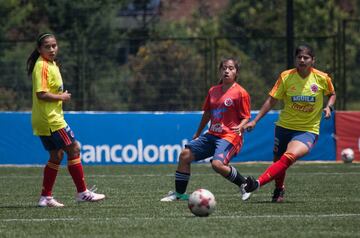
point(302, 90)
point(49, 124)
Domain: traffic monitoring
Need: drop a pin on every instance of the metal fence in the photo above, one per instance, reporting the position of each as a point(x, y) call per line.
point(350, 65)
point(168, 74)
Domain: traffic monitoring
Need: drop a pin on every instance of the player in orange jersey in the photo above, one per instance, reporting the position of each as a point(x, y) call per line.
point(48, 122)
point(227, 107)
point(302, 90)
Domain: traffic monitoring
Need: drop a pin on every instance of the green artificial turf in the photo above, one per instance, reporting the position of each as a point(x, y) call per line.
point(322, 200)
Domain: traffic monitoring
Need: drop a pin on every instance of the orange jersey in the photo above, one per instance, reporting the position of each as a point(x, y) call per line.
point(227, 110)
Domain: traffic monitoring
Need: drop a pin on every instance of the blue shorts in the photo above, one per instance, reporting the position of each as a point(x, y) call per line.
point(58, 139)
point(208, 145)
point(283, 136)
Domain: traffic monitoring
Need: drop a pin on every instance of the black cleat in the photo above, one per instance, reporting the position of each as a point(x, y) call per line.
point(251, 184)
point(278, 195)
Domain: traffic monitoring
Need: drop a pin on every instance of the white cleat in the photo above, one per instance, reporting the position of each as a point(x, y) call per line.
point(49, 201)
point(244, 195)
point(174, 196)
point(170, 197)
point(89, 196)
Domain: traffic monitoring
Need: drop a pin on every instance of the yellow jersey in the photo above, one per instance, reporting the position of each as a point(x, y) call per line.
point(46, 116)
point(303, 99)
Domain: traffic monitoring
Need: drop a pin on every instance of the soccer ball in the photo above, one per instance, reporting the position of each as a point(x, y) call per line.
point(202, 202)
point(347, 155)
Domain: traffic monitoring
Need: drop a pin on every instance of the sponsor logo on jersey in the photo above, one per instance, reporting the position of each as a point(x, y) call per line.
point(216, 128)
point(217, 113)
point(303, 98)
point(303, 108)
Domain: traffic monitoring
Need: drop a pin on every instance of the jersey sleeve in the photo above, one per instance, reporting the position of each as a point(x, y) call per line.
point(329, 87)
point(278, 89)
point(40, 77)
point(206, 105)
point(244, 106)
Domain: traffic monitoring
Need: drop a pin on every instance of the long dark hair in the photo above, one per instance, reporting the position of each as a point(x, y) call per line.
point(236, 63)
point(304, 47)
point(30, 63)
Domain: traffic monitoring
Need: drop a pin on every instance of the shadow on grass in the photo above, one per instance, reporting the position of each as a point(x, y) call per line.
point(276, 203)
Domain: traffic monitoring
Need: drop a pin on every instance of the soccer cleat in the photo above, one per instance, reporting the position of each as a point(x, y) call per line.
point(244, 195)
point(89, 196)
point(278, 195)
point(49, 201)
point(251, 184)
point(174, 196)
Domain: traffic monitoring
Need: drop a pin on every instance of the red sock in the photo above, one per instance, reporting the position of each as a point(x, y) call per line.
point(76, 171)
point(50, 172)
point(279, 180)
point(277, 169)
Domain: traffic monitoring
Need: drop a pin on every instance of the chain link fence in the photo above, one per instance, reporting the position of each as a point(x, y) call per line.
point(166, 74)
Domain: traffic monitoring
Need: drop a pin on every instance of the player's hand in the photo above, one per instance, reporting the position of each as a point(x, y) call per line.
point(327, 112)
point(249, 126)
point(65, 96)
point(237, 129)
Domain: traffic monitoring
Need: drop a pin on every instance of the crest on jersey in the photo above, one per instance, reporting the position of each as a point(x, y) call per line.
point(228, 102)
point(314, 88)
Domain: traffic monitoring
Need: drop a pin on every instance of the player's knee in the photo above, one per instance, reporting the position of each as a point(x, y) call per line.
point(73, 150)
point(56, 156)
point(217, 166)
point(76, 147)
point(60, 154)
point(185, 156)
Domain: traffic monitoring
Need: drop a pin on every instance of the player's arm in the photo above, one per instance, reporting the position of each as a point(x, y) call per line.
point(330, 105)
point(204, 120)
point(245, 114)
point(51, 97)
point(267, 106)
point(240, 128)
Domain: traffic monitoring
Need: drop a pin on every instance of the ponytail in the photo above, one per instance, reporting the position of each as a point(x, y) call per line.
point(31, 61)
point(30, 64)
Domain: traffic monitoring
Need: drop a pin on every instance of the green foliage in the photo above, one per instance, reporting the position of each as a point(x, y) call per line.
point(102, 67)
point(254, 18)
point(167, 76)
point(13, 18)
point(15, 84)
point(352, 62)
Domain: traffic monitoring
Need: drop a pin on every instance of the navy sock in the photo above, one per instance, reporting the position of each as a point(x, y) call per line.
point(181, 181)
point(235, 177)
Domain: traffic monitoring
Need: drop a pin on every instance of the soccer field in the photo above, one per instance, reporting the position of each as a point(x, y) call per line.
point(322, 200)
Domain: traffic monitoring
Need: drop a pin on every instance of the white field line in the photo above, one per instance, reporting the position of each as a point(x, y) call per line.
point(171, 175)
point(66, 219)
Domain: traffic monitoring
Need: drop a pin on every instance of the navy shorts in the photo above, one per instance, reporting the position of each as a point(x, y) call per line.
point(283, 136)
point(58, 139)
point(208, 145)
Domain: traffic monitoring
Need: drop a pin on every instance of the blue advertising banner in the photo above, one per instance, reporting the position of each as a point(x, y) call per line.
point(140, 138)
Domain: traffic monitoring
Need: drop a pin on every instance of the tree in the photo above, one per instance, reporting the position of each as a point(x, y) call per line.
point(15, 86)
point(166, 77)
